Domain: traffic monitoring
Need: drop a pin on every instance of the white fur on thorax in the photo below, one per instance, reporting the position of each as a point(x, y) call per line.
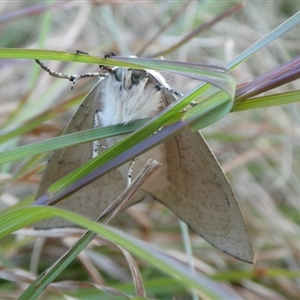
point(122, 105)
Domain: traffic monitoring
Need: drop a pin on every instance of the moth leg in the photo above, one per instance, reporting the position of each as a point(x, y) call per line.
point(110, 54)
point(71, 78)
point(174, 92)
point(106, 68)
point(96, 144)
point(129, 175)
point(97, 119)
point(109, 69)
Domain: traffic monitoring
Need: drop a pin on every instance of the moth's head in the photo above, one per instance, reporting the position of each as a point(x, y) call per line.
point(129, 77)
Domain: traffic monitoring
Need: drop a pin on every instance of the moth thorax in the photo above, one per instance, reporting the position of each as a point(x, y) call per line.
point(129, 95)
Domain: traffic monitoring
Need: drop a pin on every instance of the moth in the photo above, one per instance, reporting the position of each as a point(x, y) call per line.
point(190, 182)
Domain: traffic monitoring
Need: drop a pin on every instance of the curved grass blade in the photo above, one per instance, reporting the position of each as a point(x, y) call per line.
point(208, 72)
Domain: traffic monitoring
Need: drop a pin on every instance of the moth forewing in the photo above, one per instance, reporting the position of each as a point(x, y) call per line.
point(62, 162)
point(190, 182)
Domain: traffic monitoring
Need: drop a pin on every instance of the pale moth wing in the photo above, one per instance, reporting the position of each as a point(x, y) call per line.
point(190, 182)
point(64, 161)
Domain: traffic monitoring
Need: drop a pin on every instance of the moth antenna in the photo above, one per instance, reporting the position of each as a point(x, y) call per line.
point(108, 55)
point(81, 52)
point(71, 78)
point(162, 87)
point(129, 175)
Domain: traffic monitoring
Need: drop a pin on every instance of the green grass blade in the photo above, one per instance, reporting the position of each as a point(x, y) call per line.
point(210, 72)
point(67, 140)
point(268, 101)
point(270, 37)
